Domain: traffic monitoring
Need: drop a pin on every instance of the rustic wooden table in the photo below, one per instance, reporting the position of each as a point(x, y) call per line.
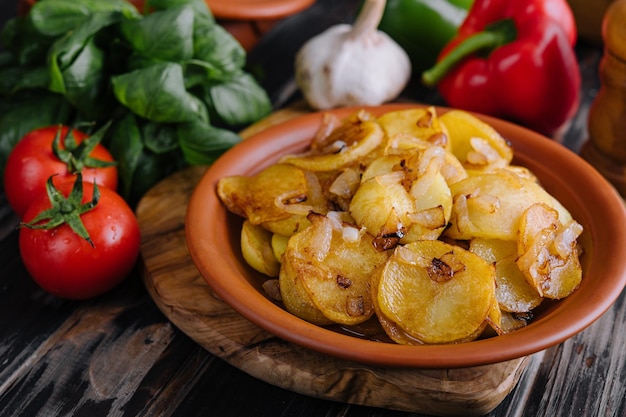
point(118, 355)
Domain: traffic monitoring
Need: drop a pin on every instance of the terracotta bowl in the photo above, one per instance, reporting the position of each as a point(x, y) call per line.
point(213, 239)
point(249, 20)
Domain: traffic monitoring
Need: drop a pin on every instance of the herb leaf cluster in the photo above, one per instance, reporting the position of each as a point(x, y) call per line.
point(171, 81)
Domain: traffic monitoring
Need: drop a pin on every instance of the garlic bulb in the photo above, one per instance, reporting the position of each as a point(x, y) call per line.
point(352, 65)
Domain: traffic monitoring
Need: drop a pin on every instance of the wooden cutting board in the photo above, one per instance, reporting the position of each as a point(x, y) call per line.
point(185, 298)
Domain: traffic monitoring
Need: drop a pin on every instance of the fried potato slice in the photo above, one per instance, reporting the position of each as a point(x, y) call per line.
point(256, 248)
point(548, 252)
point(513, 292)
point(493, 321)
point(490, 205)
point(436, 292)
point(332, 263)
point(475, 143)
point(278, 198)
point(348, 148)
point(420, 123)
point(255, 197)
point(511, 322)
point(279, 245)
point(294, 294)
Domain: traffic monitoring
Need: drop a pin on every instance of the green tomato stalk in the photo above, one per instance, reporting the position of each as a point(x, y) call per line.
point(66, 210)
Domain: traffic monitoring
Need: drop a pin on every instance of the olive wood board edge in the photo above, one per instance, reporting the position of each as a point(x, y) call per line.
point(184, 297)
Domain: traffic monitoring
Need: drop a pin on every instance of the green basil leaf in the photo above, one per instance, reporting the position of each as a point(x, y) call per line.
point(151, 169)
point(158, 93)
point(7, 60)
point(57, 17)
point(199, 6)
point(66, 49)
point(164, 35)
point(14, 79)
point(28, 46)
point(20, 116)
point(214, 45)
point(123, 140)
point(85, 82)
point(160, 138)
point(237, 102)
point(202, 143)
point(138, 167)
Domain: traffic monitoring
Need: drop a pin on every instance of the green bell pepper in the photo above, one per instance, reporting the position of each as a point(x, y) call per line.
point(423, 27)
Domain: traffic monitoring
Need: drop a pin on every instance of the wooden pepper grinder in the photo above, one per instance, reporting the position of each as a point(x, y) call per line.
point(606, 147)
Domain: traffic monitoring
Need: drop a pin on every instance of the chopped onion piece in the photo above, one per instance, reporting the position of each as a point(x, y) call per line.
point(329, 123)
point(335, 220)
point(565, 239)
point(346, 183)
point(432, 160)
point(321, 238)
point(484, 154)
point(292, 204)
point(431, 218)
point(350, 234)
point(485, 202)
point(464, 223)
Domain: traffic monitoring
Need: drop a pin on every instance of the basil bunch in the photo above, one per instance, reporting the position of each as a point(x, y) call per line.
point(171, 81)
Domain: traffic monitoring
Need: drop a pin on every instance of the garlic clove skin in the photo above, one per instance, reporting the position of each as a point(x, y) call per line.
point(337, 68)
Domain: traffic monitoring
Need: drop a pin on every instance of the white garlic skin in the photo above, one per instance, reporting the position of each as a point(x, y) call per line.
point(335, 69)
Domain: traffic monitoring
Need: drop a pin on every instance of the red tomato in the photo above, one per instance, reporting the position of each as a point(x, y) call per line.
point(32, 162)
point(66, 265)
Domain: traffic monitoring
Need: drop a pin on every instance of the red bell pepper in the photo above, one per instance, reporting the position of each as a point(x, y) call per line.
point(515, 60)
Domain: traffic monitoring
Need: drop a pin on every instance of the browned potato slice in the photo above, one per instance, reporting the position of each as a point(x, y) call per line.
point(256, 248)
point(490, 205)
point(494, 317)
point(475, 143)
point(511, 322)
point(391, 328)
point(279, 244)
point(548, 252)
point(398, 335)
point(422, 124)
point(520, 171)
point(264, 197)
point(436, 292)
point(513, 292)
point(288, 226)
point(333, 262)
point(493, 250)
point(351, 148)
point(383, 165)
point(295, 296)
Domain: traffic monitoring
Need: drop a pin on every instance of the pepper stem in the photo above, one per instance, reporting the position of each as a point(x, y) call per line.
point(368, 19)
point(494, 36)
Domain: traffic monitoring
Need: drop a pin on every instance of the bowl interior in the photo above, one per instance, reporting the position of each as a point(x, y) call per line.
point(213, 240)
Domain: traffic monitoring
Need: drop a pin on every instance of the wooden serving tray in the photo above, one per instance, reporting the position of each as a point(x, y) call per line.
point(185, 298)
